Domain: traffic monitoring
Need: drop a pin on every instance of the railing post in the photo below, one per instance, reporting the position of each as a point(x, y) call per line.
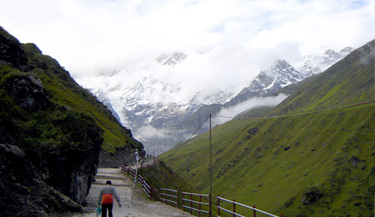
point(150, 191)
point(210, 204)
point(183, 201)
point(200, 200)
point(234, 208)
point(178, 199)
point(191, 203)
point(218, 206)
point(161, 195)
point(254, 212)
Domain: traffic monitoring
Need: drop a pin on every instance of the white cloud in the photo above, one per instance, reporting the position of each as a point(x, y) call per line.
point(229, 40)
point(226, 114)
point(148, 131)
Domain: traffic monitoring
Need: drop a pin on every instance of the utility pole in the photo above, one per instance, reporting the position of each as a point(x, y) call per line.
point(136, 166)
point(210, 204)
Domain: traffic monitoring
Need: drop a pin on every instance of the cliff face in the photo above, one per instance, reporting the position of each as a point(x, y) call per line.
point(51, 133)
point(12, 51)
point(24, 190)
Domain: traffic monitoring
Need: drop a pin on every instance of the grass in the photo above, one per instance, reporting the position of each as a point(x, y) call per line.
point(65, 92)
point(284, 159)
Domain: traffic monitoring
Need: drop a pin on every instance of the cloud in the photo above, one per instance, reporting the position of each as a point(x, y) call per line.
point(148, 131)
point(226, 114)
point(224, 37)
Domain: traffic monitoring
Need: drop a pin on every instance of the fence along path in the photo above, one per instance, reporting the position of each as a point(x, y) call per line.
point(195, 203)
point(134, 203)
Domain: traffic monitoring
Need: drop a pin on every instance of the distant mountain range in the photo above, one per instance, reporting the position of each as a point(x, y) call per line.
point(311, 155)
point(159, 117)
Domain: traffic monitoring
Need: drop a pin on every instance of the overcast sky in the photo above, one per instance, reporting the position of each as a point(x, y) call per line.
point(89, 36)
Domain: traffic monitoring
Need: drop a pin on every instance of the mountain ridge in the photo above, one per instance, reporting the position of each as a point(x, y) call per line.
point(292, 157)
point(154, 107)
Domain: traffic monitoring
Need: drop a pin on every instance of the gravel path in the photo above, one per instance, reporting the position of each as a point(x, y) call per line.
point(133, 201)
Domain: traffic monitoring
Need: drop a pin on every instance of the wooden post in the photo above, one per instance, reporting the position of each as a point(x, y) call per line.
point(182, 203)
point(191, 203)
point(178, 199)
point(200, 200)
point(254, 212)
point(218, 205)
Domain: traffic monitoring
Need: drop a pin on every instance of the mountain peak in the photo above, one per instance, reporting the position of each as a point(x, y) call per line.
point(171, 59)
point(315, 64)
point(345, 51)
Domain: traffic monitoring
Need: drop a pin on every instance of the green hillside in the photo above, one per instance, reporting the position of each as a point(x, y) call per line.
point(52, 134)
point(66, 92)
point(311, 161)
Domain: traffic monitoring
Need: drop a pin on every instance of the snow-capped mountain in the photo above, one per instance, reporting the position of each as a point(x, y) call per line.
point(158, 108)
point(269, 81)
point(282, 74)
point(104, 98)
point(171, 60)
point(158, 103)
point(316, 63)
point(154, 105)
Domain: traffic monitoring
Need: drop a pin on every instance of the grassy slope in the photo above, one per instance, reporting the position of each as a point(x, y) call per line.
point(66, 92)
point(159, 176)
point(288, 157)
point(348, 82)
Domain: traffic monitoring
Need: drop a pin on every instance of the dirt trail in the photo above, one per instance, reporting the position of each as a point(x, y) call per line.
point(134, 204)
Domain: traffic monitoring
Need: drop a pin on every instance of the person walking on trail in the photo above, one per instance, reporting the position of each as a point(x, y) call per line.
point(106, 199)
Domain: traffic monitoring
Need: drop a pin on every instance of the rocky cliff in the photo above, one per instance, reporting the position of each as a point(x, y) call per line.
point(51, 134)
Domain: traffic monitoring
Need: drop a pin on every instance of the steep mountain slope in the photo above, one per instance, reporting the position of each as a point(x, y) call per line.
point(51, 133)
point(281, 77)
point(268, 82)
point(314, 64)
point(283, 74)
point(320, 163)
point(336, 87)
point(161, 111)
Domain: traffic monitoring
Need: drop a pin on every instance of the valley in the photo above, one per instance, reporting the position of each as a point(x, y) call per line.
point(313, 143)
point(161, 111)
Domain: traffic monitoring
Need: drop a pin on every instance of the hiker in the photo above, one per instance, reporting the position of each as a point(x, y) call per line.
point(106, 199)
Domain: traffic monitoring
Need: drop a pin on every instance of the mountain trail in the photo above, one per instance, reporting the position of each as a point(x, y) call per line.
point(133, 201)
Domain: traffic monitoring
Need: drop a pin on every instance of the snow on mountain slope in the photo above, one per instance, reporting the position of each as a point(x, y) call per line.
point(152, 105)
point(267, 82)
point(282, 74)
point(316, 63)
point(155, 102)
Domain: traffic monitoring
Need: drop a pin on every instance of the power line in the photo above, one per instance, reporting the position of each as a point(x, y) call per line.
point(192, 135)
point(270, 117)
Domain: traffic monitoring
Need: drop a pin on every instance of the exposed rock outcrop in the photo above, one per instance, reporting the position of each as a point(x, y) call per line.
point(12, 52)
point(28, 92)
point(49, 152)
point(23, 190)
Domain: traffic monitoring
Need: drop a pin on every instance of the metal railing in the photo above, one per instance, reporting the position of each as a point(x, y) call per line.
point(169, 196)
point(194, 201)
point(146, 187)
point(233, 211)
point(191, 202)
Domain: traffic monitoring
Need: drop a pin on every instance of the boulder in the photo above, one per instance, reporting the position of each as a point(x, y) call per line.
point(311, 197)
point(24, 193)
point(28, 92)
